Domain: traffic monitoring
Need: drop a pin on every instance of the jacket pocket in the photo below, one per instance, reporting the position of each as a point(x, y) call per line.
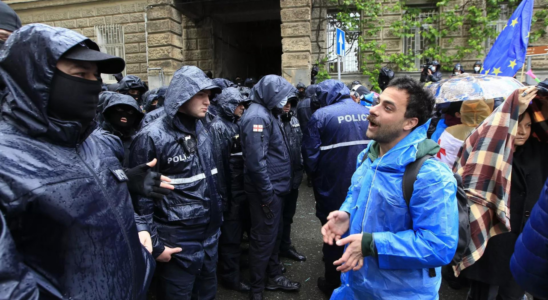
point(191, 213)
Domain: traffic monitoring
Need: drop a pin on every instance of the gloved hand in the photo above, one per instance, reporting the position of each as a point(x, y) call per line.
point(268, 212)
point(143, 181)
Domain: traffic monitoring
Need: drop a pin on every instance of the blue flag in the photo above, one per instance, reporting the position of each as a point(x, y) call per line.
point(508, 53)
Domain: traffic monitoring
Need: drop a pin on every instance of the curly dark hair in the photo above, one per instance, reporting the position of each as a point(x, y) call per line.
point(420, 102)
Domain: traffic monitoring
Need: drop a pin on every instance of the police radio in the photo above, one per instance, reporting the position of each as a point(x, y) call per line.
point(189, 144)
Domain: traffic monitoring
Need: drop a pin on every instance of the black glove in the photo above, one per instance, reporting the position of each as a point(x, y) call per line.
point(267, 212)
point(146, 183)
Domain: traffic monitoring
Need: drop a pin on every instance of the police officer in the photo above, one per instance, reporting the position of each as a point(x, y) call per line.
point(293, 136)
point(301, 88)
point(334, 137)
point(477, 67)
point(225, 132)
point(457, 70)
point(64, 193)
point(185, 224)
point(432, 72)
point(121, 117)
point(157, 112)
point(267, 180)
point(133, 86)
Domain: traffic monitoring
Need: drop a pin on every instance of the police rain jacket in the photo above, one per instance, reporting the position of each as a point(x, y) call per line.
point(224, 131)
point(190, 216)
point(111, 99)
point(152, 116)
point(132, 82)
point(529, 262)
point(265, 151)
point(408, 239)
point(334, 137)
point(294, 136)
point(62, 193)
point(304, 111)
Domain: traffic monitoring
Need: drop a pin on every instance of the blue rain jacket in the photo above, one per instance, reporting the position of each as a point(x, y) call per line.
point(334, 137)
point(409, 239)
point(265, 149)
point(529, 262)
point(70, 226)
point(191, 215)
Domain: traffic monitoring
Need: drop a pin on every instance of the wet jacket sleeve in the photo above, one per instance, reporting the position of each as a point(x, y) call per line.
point(311, 144)
point(433, 240)
point(141, 222)
point(16, 281)
point(255, 146)
point(142, 150)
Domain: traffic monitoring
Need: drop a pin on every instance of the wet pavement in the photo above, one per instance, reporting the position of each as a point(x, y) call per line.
point(307, 239)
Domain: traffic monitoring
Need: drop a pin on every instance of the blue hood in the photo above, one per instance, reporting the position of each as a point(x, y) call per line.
point(331, 91)
point(186, 83)
point(271, 90)
point(227, 102)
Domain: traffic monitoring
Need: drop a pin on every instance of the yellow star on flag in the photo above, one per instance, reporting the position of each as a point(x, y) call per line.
point(514, 22)
point(512, 64)
point(496, 71)
point(487, 72)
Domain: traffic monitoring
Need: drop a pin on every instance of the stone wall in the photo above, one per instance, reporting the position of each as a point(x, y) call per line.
point(198, 43)
point(81, 16)
point(296, 42)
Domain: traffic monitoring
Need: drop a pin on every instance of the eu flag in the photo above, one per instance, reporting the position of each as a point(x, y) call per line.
point(508, 53)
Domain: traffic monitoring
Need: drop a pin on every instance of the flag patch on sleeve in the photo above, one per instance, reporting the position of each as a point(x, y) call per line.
point(257, 128)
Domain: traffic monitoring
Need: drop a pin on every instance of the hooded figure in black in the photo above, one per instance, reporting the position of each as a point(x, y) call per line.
point(225, 131)
point(304, 111)
point(133, 86)
point(158, 111)
point(121, 117)
point(9, 22)
point(267, 180)
point(293, 134)
point(185, 224)
point(301, 87)
point(223, 84)
point(62, 189)
point(432, 73)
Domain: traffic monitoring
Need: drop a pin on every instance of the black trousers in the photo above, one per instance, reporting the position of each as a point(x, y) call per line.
point(264, 242)
point(290, 207)
point(331, 253)
point(484, 291)
point(229, 243)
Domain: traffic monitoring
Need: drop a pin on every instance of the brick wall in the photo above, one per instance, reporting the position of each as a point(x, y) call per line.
point(198, 43)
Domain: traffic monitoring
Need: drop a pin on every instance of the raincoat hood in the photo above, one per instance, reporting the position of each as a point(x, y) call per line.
point(310, 91)
point(301, 85)
point(331, 91)
point(8, 18)
point(110, 99)
point(473, 112)
point(27, 64)
point(271, 90)
point(131, 82)
point(227, 102)
point(186, 82)
point(224, 83)
point(153, 96)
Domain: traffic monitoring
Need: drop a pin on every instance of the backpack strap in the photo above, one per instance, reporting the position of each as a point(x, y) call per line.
point(409, 178)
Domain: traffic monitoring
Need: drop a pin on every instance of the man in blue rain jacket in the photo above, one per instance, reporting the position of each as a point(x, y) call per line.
point(334, 137)
point(185, 224)
point(395, 251)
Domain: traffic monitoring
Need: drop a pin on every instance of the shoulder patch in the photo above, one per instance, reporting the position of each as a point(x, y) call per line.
point(257, 128)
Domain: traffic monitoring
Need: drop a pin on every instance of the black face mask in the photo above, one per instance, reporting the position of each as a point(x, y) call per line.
point(73, 98)
point(122, 117)
point(276, 111)
point(301, 94)
point(286, 116)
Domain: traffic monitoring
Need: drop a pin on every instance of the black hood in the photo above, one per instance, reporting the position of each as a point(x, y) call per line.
point(131, 82)
point(110, 99)
point(224, 83)
point(271, 90)
point(8, 18)
point(227, 102)
point(301, 85)
point(154, 95)
point(186, 83)
point(27, 64)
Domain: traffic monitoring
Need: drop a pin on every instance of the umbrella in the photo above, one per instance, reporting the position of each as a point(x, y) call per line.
point(473, 87)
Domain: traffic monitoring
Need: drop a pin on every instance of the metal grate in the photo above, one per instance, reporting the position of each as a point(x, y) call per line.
point(110, 39)
point(350, 62)
point(413, 42)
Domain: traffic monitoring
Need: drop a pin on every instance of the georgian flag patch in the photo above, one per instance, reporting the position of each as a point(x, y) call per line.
point(257, 128)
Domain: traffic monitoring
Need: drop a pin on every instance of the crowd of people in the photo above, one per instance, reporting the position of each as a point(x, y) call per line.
point(120, 192)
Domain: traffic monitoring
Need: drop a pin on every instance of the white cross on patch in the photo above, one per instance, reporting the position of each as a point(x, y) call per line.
point(257, 128)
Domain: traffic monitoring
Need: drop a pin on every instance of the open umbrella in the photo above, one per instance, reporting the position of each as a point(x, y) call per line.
point(473, 87)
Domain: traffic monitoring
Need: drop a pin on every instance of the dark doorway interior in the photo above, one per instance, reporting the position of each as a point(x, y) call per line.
point(247, 35)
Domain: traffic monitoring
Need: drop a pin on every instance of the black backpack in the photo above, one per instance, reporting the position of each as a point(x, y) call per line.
point(409, 178)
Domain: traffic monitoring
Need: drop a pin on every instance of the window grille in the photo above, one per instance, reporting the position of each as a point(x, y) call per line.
point(110, 39)
point(349, 62)
point(414, 43)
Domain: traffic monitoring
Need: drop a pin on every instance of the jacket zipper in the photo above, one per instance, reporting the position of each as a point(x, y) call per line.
point(117, 218)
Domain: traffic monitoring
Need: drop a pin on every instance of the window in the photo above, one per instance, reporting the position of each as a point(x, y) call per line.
point(498, 26)
point(414, 42)
point(110, 39)
point(349, 62)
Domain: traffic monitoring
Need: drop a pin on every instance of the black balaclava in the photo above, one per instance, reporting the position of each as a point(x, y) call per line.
point(116, 115)
point(73, 98)
point(8, 19)
point(286, 116)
